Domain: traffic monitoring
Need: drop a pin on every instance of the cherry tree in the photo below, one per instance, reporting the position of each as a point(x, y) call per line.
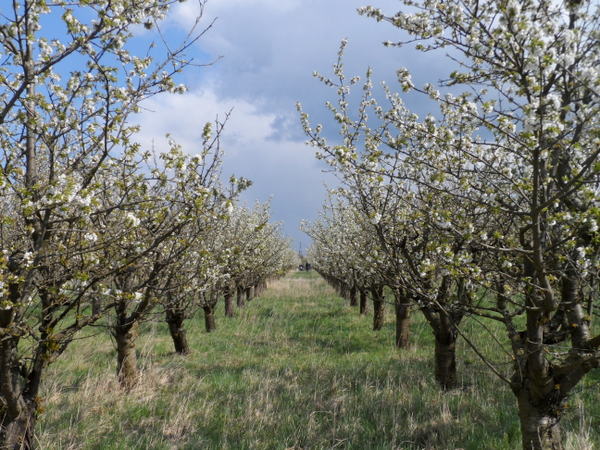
point(180, 203)
point(239, 247)
point(514, 161)
point(533, 72)
point(67, 90)
point(402, 215)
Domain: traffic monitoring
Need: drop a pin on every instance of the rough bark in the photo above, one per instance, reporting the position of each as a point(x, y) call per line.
point(209, 318)
point(17, 433)
point(378, 309)
point(535, 383)
point(444, 323)
point(17, 409)
point(178, 334)
point(363, 302)
point(402, 324)
point(540, 427)
point(445, 360)
point(127, 370)
point(228, 295)
point(539, 388)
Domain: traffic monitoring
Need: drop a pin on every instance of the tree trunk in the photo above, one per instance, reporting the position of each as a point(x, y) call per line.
point(363, 303)
point(539, 393)
point(209, 318)
point(127, 370)
point(17, 433)
point(402, 324)
point(378, 309)
point(378, 315)
point(229, 303)
point(353, 300)
point(249, 293)
point(240, 297)
point(17, 403)
point(178, 334)
point(540, 427)
point(17, 410)
point(445, 359)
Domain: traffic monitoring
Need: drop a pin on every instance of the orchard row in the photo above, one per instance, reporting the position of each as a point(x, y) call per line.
point(94, 228)
point(486, 208)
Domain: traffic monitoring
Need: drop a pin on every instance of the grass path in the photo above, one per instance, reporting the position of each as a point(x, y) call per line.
point(296, 369)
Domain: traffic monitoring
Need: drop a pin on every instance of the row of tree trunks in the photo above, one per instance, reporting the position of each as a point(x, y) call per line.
point(344, 290)
point(539, 399)
point(260, 288)
point(353, 296)
point(125, 330)
point(359, 297)
point(175, 320)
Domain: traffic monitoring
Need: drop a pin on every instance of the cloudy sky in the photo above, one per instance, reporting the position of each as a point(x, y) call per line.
point(269, 50)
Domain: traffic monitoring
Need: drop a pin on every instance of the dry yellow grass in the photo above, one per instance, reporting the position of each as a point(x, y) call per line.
point(289, 287)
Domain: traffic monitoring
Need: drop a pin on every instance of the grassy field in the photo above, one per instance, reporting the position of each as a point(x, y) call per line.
point(296, 369)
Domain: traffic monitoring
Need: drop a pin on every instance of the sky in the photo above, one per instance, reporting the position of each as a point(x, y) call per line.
point(269, 50)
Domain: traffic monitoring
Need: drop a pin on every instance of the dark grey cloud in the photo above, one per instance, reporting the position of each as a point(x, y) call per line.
point(270, 49)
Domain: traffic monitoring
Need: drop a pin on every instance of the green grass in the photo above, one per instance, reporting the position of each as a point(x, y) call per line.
point(296, 368)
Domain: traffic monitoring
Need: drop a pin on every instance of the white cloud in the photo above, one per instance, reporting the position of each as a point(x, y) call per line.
point(185, 13)
point(270, 49)
point(282, 169)
point(184, 116)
